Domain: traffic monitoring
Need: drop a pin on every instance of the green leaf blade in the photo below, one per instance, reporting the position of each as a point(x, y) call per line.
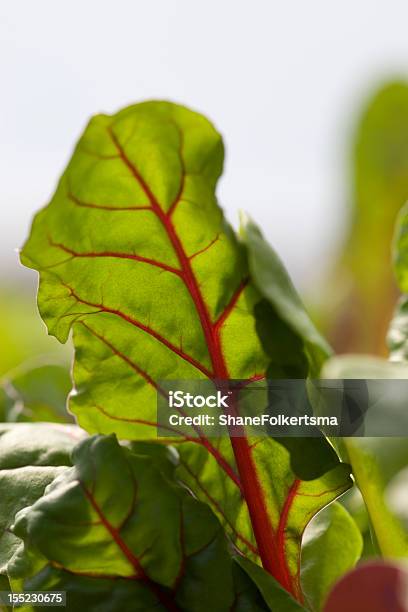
point(114, 522)
point(136, 258)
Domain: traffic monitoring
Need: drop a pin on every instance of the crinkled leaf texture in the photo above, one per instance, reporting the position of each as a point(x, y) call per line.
point(117, 534)
point(31, 456)
point(135, 256)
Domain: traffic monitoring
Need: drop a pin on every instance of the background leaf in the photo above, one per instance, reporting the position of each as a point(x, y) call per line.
point(35, 393)
point(31, 456)
point(310, 457)
point(361, 292)
point(397, 337)
point(375, 586)
point(273, 282)
point(391, 538)
point(398, 330)
point(331, 546)
point(22, 332)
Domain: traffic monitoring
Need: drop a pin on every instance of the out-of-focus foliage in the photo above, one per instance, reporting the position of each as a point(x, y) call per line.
point(398, 332)
point(22, 334)
point(34, 368)
point(380, 464)
point(375, 586)
point(362, 294)
point(326, 553)
point(363, 454)
point(35, 394)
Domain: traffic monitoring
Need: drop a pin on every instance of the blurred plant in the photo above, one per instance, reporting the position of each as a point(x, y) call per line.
point(35, 392)
point(22, 332)
point(375, 587)
point(362, 292)
point(380, 464)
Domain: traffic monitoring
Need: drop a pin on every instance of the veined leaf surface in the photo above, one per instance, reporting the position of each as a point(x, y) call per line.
point(131, 540)
point(134, 254)
point(31, 456)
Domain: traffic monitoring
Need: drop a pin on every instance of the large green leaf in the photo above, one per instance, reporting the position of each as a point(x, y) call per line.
point(117, 535)
point(134, 254)
point(332, 546)
point(31, 456)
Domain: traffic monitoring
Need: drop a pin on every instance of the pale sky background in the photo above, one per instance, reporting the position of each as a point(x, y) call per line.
point(281, 80)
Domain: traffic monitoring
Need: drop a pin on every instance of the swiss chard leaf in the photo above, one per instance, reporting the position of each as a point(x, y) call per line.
point(274, 283)
point(134, 254)
point(118, 535)
point(291, 502)
point(310, 457)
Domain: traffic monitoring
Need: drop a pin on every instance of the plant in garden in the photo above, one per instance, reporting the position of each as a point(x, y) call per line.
point(136, 258)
